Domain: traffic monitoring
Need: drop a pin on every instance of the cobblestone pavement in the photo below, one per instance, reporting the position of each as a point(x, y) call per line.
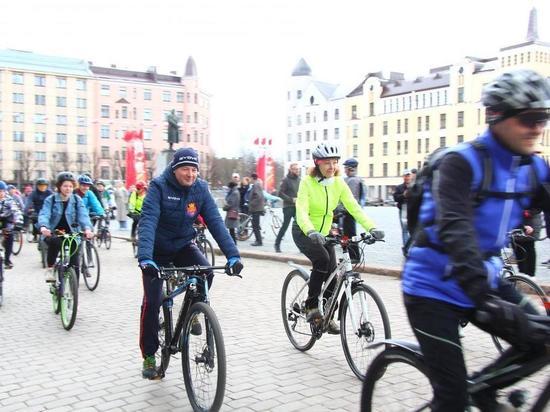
point(97, 366)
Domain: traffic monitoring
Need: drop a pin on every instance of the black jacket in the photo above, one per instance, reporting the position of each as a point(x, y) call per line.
point(399, 195)
point(289, 189)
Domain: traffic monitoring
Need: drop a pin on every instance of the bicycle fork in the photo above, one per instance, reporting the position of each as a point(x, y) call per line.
point(355, 319)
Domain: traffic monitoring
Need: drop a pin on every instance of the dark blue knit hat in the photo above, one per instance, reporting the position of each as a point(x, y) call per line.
point(185, 156)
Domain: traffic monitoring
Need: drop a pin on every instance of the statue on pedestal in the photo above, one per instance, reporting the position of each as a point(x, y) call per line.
point(173, 129)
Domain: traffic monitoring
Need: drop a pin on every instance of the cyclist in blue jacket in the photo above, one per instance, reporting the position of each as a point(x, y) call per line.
point(452, 271)
point(89, 199)
point(166, 233)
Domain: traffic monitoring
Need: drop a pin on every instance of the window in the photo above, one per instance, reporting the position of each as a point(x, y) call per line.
point(124, 112)
point(460, 138)
point(398, 168)
point(80, 84)
point(39, 137)
point(336, 133)
point(406, 126)
point(419, 146)
point(166, 96)
point(406, 147)
point(19, 117)
point(18, 136)
point(105, 111)
point(385, 149)
point(355, 131)
point(105, 90)
point(355, 151)
point(398, 148)
point(40, 156)
point(325, 134)
point(371, 129)
point(105, 172)
point(81, 139)
point(147, 114)
point(385, 128)
point(61, 101)
point(18, 98)
point(371, 109)
point(298, 120)
point(398, 126)
point(308, 117)
point(39, 118)
point(371, 170)
point(460, 119)
point(179, 97)
point(105, 152)
point(17, 155)
point(39, 99)
point(122, 92)
point(61, 138)
point(196, 98)
point(427, 145)
point(308, 136)
point(427, 125)
point(354, 112)
point(195, 136)
point(81, 103)
point(442, 141)
point(81, 121)
point(61, 119)
point(61, 82)
point(419, 124)
point(460, 95)
point(325, 116)
point(336, 114)
point(385, 170)
point(39, 80)
point(289, 121)
point(147, 95)
point(17, 78)
point(147, 134)
point(442, 121)
point(195, 117)
point(105, 131)
point(299, 96)
point(371, 149)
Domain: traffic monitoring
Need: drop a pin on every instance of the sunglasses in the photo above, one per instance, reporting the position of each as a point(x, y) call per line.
point(533, 119)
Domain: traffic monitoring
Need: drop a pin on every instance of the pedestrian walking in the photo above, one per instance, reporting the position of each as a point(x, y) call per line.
point(288, 192)
point(400, 197)
point(256, 205)
point(121, 201)
point(231, 207)
point(243, 190)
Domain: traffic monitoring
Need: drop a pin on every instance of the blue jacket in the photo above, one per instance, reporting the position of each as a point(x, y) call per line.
point(91, 203)
point(458, 259)
point(50, 214)
point(168, 213)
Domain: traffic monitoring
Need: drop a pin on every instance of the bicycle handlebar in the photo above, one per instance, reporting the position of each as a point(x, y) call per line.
point(194, 270)
point(363, 237)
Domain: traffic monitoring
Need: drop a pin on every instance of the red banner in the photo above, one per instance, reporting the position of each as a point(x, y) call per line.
point(135, 157)
point(265, 168)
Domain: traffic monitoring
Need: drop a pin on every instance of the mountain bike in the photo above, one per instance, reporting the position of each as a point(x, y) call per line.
point(89, 264)
point(43, 249)
point(397, 378)
point(203, 355)
point(363, 317)
point(244, 230)
point(275, 221)
point(204, 245)
point(64, 290)
point(103, 235)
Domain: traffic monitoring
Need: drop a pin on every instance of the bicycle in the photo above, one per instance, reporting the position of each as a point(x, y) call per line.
point(103, 235)
point(135, 217)
point(204, 245)
point(29, 230)
point(363, 317)
point(64, 290)
point(18, 241)
point(275, 222)
point(400, 370)
point(89, 264)
point(203, 355)
point(244, 230)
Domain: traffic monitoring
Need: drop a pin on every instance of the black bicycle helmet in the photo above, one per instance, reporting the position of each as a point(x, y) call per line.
point(326, 151)
point(41, 181)
point(351, 163)
point(85, 180)
point(63, 177)
point(515, 91)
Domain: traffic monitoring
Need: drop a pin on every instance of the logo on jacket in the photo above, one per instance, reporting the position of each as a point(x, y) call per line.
point(191, 209)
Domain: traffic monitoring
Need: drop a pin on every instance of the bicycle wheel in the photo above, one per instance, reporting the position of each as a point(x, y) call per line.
point(396, 381)
point(17, 242)
point(276, 224)
point(98, 239)
point(164, 334)
point(43, 247)
point(534, 294)
point(29, 233)
point(244, 231)
point(207, 250)
point(293, 301)
point(69, 299)
point(89, 265)
point(371, 325)
point(108, 240)
point(203, 359)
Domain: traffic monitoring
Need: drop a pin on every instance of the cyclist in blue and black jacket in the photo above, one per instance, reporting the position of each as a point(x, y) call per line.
point(452, 271)
point(166, 233)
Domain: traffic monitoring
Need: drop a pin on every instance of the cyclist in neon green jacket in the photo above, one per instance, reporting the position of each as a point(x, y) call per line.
point(318, 195)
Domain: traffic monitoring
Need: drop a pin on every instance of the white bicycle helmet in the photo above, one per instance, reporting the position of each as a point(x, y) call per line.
point(326, 151)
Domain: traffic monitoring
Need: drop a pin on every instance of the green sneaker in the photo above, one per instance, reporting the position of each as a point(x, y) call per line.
point(149, 370)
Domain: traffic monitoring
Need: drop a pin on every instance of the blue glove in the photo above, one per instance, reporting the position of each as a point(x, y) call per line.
point(148, 262)
point(149, 268)
point(233, 266)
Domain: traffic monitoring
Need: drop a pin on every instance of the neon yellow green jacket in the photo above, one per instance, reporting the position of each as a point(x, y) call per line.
point(315, 205)
point(135, 202)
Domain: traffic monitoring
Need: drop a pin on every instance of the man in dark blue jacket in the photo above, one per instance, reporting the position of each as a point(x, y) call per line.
point(166, 233)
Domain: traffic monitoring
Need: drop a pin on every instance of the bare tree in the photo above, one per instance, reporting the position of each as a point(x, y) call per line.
point(96, 168)
point(25, 164)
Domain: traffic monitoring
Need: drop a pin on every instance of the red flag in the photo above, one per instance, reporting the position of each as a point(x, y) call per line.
point(269, 142)
point(263, 141)
point(257, 141)
point(269, 181)
point(135, 158)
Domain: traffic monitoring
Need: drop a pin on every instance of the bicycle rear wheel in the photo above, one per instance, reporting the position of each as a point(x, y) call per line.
point(534, 294)
point(69, 299)
point(164, 335)
point(396, 380)
point(207, 250)
point(108, 240)
point(89, 265)
point(17, 242)
point(371, 325)
point(244, 231)
point(276, 224)
point(203, 359)
point(293, 301)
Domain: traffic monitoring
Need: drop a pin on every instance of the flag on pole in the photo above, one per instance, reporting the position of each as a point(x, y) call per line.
point(135, 157)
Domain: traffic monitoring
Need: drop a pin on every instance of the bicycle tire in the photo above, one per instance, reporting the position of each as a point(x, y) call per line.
point(43, 252)
point(108, 240)
point(374, 326)
point(294, 317)
point(69, 299)
point(92, 280)
point(164, 336)
point(276, 224)
point(410, 369)
point(536, 296)
point(207, 250)
point(543, 400)
point(17, 242)
point(203, 359)
point(244, 230)
point(29, 235)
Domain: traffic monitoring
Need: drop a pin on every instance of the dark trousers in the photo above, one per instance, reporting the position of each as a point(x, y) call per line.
point(152, 295)
point(256, 226)
point(323, 260)
point(435, 325)
point(233, 234)
point(526, 256)
point(350, 230)
point(288, 213)
point(54, 247)
point(7, 242)
point(134, 228)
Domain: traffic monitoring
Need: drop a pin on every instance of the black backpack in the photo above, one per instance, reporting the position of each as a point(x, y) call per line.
point(415, 193)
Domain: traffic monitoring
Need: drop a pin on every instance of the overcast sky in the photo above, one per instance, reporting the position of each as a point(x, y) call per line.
point(245, 50)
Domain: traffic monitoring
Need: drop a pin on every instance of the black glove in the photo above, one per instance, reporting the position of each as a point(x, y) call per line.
point(316, 237)
point(233, 266)
point(377, 234)
point(149, 268)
